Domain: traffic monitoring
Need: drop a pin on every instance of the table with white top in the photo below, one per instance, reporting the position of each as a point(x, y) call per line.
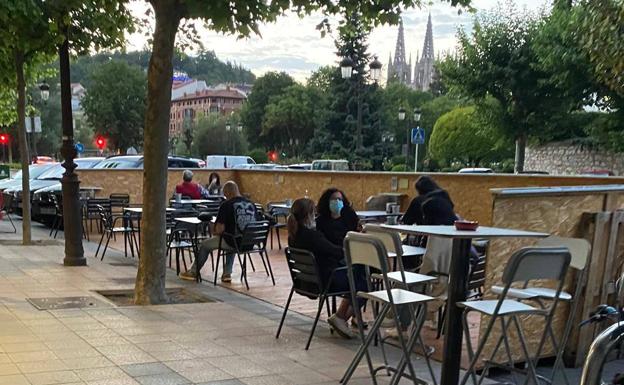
point(194, 202)
point(458, 280)
point(371, 214)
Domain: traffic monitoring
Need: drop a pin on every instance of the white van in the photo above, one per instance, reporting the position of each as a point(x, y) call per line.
point(330, 165)
point(227, 161)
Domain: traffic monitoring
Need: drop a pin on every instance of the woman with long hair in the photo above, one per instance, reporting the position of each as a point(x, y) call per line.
point(336, 216)
point(214, 184)
point(303, 235)
point(432, 206)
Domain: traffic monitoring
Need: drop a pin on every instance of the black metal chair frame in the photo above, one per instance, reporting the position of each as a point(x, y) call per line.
point(183, 237)
point(108, 222)
point(275, 215)
point(91, 212)
point(304, 268)
point(58, 215)
point(6, 208)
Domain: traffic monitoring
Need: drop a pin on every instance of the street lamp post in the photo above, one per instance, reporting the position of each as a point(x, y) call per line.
point(228, 127)
point(72, 216)
point(346, 70)
point(416, 119)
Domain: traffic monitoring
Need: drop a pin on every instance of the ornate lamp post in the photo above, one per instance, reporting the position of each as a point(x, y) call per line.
point(416, 119)
point(346, 71)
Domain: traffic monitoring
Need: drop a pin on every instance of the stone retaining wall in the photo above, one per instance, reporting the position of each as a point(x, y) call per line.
point(563, 158)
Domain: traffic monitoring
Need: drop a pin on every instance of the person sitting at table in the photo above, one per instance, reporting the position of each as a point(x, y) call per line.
point(433, 205)
point(303, 235)
point(214, 186)
point(336, 216)
point(233, 216)
point(189, 188)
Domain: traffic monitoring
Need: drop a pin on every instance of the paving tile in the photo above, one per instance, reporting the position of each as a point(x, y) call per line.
point(6, 369)
point(206, 375)
point(95, 374)
point(32, 356)
point(87, 363)
point(224, 382)
point(49, 378)
point(266, 380)
point(24, 347)
point(238, 366)
point(162, 379)
point(42, 366)
point(16, 379)
point(114, 381)
point(83, 352)
point(148, 369)
point(133, 358)
point(173, 355)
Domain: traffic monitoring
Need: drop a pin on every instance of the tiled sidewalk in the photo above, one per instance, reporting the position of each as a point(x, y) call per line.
point(226, 342)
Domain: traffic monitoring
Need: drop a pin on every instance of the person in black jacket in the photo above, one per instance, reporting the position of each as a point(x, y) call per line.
point(303, 235)
point(336, 217)
point(432, 206)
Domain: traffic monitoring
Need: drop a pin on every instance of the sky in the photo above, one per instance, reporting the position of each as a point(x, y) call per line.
point(293, 44)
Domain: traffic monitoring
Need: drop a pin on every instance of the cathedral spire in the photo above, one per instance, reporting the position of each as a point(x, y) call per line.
point(428, 46)
point(399, 69)
point(423, 73)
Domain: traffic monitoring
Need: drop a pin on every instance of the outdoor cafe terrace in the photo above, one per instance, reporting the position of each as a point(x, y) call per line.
point(537, 204)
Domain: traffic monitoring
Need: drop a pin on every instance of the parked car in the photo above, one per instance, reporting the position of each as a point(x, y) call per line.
point(476, 170)
point(34, 170)
point(136, 161)
point(330, 165)
point(42, 207)
point(227, 161)
point(300, 166)
point(263, 166)
point(43, 160)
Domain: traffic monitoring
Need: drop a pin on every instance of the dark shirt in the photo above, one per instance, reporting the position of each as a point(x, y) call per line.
point(336, 229)
point(235, 214)
point(328, 255)
point(435, 208)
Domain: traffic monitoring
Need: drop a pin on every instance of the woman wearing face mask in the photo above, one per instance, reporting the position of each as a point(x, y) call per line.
point(336, 217)
point(214, 186)
point(302, 235)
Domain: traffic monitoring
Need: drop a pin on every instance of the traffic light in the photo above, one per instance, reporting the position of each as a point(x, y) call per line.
point(4, 138)
point(272, 156)
point(100, 142)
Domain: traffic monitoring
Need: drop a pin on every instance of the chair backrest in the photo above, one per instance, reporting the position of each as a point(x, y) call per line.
point(254, 234)
point(367, 250)
point(105, 216)
point(579, 249)
point(476, 279)
point(92, 204)
point(119, 200)
point(531, 263)
point(304, 272)
point(390, 238)
point(58, 204)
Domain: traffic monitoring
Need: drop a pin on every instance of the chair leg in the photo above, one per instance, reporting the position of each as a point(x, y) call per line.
point(475, 354)
point(279, 242)
point(216, 269)
point(99, 244)
point(184, 259)
point(318, 314)
point(271, 236)
point(244, 271)
point(268, 261)
point(253, 268)
point(279, 328)
point(108, 237)
point(525, 350)
point(263, 262)
point(177, 260)
point(11, 221)
point(53, 226)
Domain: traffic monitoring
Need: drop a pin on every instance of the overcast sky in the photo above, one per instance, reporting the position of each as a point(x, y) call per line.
point(294, 45)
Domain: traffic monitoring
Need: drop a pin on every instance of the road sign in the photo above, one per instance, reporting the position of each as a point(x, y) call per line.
point(418, 135)
point(79, 147)
point(37, 124)
point(5, 171)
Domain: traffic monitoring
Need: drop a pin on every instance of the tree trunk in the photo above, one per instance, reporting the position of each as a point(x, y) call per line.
point(521, 141)
point(150, 281)
point(23, 146)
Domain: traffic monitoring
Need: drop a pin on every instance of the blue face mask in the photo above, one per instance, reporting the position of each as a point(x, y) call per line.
point(335, 206)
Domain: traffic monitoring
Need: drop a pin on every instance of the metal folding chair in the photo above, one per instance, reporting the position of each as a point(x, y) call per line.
point(525, 265)
point(369, 251)
point(307, 281)
point(579, 250)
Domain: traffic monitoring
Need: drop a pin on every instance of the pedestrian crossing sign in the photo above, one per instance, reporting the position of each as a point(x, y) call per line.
point(418, 135)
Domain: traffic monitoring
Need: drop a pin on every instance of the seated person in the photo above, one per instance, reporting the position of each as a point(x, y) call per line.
point(336, 217)
point(302, 235)
point(214, 186)
point(189, 188)
point(233, 216)
point(432, 206)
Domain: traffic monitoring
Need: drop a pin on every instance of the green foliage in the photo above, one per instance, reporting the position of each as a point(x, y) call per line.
point(115, 104)
point(271, 84)
point(400, 168)
point(462, 135)
point(258, 155)
point(205, 66)
point(211, 137)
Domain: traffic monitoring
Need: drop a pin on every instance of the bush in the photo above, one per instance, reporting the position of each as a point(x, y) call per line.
point(400, 167)
point(258, 155)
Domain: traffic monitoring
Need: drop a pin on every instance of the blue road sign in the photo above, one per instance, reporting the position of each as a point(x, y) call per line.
point(418, 135)
point(79, 147)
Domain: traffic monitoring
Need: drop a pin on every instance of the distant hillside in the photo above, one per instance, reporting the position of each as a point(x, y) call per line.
point(206, 66)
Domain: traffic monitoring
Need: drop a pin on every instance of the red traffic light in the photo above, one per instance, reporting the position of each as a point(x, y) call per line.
point(4, 138)
point(272, 156)
point(100, 142)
